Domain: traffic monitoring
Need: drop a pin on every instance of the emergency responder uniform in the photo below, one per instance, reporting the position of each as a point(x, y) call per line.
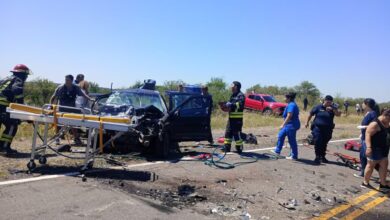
point(11, 91)
point(322, 129)
point(235, 122)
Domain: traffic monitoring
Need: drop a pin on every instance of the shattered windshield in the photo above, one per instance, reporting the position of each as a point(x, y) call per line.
point(136, 100)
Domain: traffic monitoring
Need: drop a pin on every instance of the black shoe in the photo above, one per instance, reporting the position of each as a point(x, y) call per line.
point(367, 186)
point(3, 151)
point(64, 148)
point(324, 160)
point(384, 188)
point(227, 148)
point(10, 151)
point(239, 149)
point(77, 142)
point(317, 161)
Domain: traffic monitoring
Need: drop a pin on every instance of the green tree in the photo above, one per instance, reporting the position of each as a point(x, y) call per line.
point(309, 90)
point(39, 91)
point(136, 85)
point(173, 85)
point(95, 88)
point(218, 89)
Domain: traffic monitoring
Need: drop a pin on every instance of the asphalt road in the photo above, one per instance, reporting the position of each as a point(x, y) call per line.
point(70, 198)
point(261, 190)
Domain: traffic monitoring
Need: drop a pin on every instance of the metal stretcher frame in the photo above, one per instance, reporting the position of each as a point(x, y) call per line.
point(94, 124)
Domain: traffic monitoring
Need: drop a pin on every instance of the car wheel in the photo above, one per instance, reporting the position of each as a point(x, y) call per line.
point(268, 112)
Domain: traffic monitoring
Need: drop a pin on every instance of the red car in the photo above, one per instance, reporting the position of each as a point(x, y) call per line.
point(264, 103)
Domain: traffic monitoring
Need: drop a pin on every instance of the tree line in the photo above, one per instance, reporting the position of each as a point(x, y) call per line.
point(39, 91)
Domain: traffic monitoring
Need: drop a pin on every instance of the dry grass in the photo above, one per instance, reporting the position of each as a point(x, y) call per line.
point(253, 120)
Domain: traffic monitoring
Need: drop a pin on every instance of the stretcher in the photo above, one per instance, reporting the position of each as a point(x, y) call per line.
point(50, 117)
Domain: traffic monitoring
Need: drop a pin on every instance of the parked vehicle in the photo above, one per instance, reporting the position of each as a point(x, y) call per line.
point(264, 103)
point(157, 127)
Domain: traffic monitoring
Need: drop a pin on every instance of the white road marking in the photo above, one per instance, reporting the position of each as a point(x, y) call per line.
point(33, 179)
point(47, 177)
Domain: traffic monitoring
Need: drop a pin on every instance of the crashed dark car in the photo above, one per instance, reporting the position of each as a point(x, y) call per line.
point(156, 127)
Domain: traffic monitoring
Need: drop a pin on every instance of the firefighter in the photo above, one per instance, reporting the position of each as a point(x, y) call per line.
point(235, 107)
point(11, 91)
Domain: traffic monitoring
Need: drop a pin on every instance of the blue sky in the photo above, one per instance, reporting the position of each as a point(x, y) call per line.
point(340, 45)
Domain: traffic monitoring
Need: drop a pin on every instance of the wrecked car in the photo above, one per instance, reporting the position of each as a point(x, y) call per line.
point(157, 127)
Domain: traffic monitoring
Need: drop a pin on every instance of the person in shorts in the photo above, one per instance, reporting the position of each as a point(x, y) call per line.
point(377, 150)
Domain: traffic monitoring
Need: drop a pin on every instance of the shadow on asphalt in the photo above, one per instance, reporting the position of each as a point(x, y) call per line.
point(26, 155)
point(311, 162)
point(100, 173)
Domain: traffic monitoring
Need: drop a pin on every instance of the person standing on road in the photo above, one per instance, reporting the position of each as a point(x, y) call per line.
point(81, 101)
point(305, 103)
point(289, 127)
point(235, 107)
point(377, 150)
point(372, 112)
point(208, 100)
point(11, 91)
point(322, 127)
point(66, 96)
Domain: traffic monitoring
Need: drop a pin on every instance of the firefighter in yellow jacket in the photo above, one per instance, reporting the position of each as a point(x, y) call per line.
point(11, 91)
point(235, 107)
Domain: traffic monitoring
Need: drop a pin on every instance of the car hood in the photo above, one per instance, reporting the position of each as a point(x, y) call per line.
point(278, 105)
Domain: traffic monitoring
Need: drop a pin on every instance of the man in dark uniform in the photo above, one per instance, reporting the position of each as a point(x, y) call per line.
point(11, 91)
point(235, 107)
point(346, 105)
point(66, 96)
point(209, 102)
point(322, 127)
point(305, 103)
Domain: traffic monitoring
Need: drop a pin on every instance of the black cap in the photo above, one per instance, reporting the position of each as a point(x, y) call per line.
point(291, 95)
point(238, 84)
point(328, 98)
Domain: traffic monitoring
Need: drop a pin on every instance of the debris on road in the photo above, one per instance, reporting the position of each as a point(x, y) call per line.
point(290, 205)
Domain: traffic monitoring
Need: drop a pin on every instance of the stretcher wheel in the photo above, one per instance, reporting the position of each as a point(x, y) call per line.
point(31, 165)
point(43, 160)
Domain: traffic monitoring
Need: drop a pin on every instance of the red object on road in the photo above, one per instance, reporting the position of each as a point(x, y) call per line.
point(204, 156)
point(353, 145)
point(264, 103)
point(349, 161)
point(221, 140)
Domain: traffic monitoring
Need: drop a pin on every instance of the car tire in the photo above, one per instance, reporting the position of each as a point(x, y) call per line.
point(268, 112)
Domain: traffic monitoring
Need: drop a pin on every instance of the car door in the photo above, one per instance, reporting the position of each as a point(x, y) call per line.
point(259, 103)
point(250, 102)
point(189, 117)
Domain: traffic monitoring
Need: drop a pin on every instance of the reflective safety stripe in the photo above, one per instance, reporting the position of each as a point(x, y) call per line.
point(236, 116)
point(5, 140)
point(5, 85)
point(237, 106)
point(228, 141)
point(5, 103)
point(19, 96)
point(239, 142)
point(7, 136)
